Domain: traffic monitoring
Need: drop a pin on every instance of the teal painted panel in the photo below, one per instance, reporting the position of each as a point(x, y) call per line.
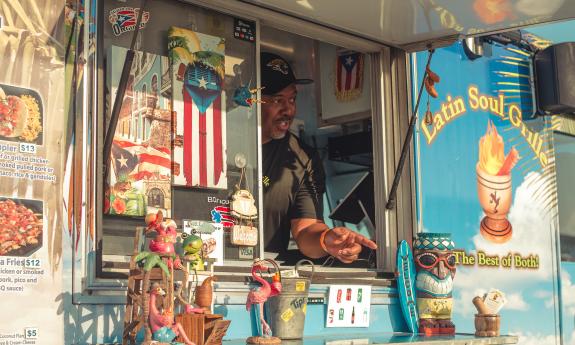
point(384, 318)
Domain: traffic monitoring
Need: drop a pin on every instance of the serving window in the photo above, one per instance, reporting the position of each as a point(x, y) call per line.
point(187, 138)
point(333, 118)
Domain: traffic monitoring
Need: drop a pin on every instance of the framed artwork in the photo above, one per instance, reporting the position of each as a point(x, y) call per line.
point(199, 142)
point(139, 181)
point(344, 88)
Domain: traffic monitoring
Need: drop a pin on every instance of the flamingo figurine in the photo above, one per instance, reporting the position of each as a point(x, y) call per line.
point(261, 294)
point(162, 323)
point(166, 233)
point(165, 239)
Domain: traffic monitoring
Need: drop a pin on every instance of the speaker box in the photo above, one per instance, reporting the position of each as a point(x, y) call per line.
point(554, 69)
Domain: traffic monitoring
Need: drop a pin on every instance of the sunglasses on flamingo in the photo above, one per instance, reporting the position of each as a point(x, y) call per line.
point(430, 260)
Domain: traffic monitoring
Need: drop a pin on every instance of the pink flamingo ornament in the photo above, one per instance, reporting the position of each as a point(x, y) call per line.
point(162, 323)
point(166, 237)
point(261, 294)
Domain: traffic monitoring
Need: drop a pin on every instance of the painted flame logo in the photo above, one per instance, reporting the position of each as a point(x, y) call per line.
point(492, 157)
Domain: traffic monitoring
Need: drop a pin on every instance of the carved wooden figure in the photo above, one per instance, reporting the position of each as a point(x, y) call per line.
point(435, 265)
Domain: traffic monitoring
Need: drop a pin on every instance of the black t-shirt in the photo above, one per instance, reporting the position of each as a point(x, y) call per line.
point(293, 182)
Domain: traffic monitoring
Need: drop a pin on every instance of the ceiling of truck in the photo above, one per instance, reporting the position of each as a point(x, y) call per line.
point(403, 23)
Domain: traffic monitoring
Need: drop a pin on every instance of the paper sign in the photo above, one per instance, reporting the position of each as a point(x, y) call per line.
point(244, 235)
point(348, 306)
point(494, 301)
point(212, 234)
point(300, 286)
point(287, 315)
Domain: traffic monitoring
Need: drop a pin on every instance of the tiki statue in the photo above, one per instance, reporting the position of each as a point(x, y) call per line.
point(435, 266)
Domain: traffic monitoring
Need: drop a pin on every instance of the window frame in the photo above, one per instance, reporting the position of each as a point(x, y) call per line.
point(564, 132)
point(390, 104)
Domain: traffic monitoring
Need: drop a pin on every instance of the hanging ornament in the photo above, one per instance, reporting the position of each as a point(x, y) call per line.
point(246, 97)
point(428, 119)
point(243, 95)
point(430, 80)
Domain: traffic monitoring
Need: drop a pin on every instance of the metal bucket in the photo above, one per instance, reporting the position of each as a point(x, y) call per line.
point(288, 309)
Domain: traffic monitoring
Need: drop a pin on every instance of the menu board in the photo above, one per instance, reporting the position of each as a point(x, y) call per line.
point(32, 141)
point(348, 306)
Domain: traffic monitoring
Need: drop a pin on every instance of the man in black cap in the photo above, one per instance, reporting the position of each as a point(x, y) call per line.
point(293, 176)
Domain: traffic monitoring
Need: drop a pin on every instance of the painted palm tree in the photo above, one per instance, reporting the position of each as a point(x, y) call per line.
point(149, 260)
point(185, 46)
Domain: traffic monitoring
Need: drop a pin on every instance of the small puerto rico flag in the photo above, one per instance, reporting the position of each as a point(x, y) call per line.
point(222, 215)
point(349, 75)
point(124, 19)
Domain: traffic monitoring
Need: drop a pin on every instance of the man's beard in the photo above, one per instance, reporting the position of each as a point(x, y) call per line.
point(278, 135)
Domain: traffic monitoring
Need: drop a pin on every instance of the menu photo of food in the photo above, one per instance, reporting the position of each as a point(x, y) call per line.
point(21, 114)
point(20, 226)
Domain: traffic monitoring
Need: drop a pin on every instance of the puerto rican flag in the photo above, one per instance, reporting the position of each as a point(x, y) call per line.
point(201, 156)
point(222, 215)
point(199, 105)
point(124, 19)
point(349, 73)
point(141, 161)
point(200, 152)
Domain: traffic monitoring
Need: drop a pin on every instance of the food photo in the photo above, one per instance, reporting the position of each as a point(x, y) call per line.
point(20, 226)
point(20, 115)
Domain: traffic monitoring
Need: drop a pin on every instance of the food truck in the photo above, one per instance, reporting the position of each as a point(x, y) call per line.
point(132, 180)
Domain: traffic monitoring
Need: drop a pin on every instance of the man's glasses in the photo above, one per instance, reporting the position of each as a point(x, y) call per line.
point(430, 260)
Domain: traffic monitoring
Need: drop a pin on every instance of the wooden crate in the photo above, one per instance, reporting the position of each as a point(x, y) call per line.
point(203, 329)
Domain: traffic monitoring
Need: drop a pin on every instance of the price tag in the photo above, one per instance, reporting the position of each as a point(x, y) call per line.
point(27, 148)
point(31, 333)
point(32, 263)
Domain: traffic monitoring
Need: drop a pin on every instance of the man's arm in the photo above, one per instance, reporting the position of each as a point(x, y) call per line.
point(307, 232)
point(313, 237)
point(342, 243)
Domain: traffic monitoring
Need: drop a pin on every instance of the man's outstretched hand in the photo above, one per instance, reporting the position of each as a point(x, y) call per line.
point(345, 245)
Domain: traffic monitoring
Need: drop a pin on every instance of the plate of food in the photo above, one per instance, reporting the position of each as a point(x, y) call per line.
point(20, 226)
point(21, 114)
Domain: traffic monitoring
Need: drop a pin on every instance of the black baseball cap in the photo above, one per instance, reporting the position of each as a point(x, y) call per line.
point(277, 74)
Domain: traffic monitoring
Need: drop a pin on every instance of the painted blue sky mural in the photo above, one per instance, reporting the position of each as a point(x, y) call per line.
point(447, 157)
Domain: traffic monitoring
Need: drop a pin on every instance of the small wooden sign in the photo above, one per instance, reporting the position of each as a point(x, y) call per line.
point(244, 235)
